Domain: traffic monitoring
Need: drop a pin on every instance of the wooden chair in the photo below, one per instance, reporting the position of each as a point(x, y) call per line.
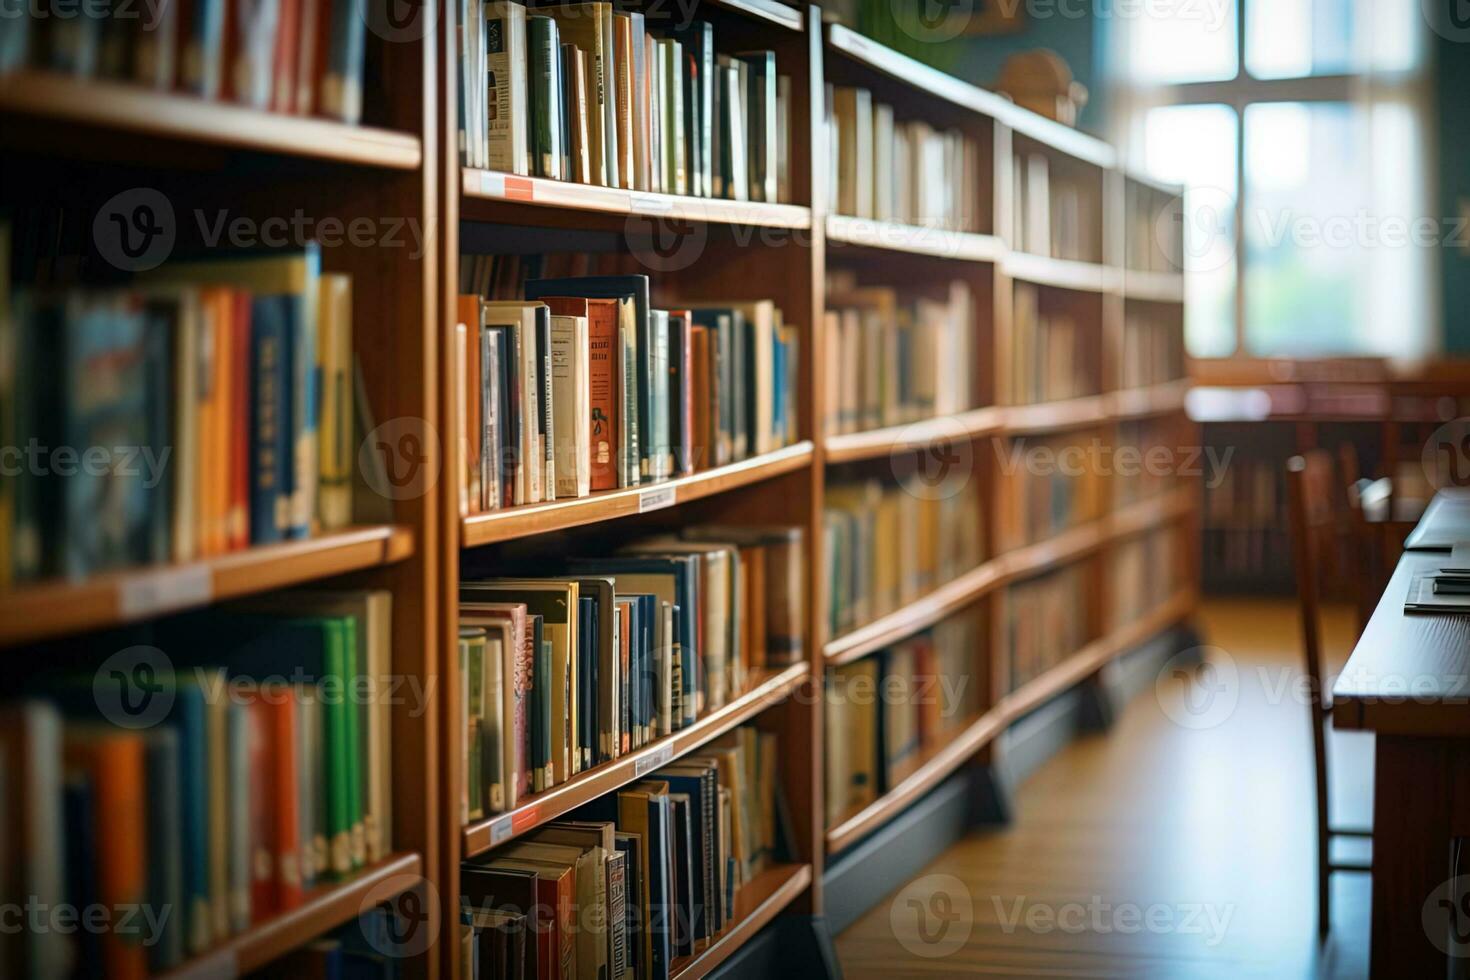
point(1374, 532)
point(1309, 482)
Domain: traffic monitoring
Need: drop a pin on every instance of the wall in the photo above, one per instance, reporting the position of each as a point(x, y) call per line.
point(1452, 109)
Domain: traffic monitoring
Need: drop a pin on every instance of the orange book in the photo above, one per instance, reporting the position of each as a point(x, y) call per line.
point(605, 384)
point(282, 703)
point(112, 760)
point(474, 435)
point(237, 432)
point(701, 442)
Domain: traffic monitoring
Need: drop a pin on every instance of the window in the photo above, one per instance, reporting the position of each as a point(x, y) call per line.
point(1295, 126)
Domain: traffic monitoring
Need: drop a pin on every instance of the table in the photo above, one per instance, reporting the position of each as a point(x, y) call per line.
point(1408, 681)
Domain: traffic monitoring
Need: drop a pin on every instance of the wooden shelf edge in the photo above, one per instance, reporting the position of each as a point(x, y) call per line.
point(519, 522)
point(877, 443)
point(936, 766)
point(324, 909)
point(134, 108)
point(59, 608)
point(892, 236)
point(1152, 287)
point(1151, 512)
point(756, 905)
point(1042, 270)
point(917, 615)
point(490, 185)
point(1052, 416)
point(767, 10)
point(1159, 399)
point(765, 691)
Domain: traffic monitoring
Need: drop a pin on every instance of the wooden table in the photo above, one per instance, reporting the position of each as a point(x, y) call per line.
point(1408, 681)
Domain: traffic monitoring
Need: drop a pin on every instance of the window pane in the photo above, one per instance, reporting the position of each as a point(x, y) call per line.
point(1308, 202)
point(1297, 38)
point(1196, 146)
point(1192, 42)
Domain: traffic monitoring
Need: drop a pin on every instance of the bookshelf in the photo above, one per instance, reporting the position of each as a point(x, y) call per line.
point(405, 162)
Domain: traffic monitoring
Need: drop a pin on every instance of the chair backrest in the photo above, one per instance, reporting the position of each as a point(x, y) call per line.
point(1309, 501)
point(1364, 554)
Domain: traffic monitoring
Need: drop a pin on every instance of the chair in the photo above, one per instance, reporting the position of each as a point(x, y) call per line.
point(1373, 529)
point(1309, 480)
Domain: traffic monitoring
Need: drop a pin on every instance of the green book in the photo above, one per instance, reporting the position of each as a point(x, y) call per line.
point(544, 43)
point(337, 744)
point(343, 631)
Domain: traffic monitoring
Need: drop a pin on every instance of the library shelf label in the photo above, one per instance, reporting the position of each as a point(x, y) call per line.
point(165, 590)
point(500, 829)
point(659, 757)
point(657, 498)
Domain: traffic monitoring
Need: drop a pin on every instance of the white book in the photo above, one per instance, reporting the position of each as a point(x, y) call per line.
point(570, 354)
point(506, 88)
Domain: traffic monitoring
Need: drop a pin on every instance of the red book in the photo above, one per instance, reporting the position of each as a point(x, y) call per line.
point(283, 75)
point(286, 814)
point(262, 805)
point(312, 26)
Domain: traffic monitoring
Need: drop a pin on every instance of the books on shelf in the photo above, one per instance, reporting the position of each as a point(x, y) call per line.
point(205, 409)
point(1045, 622)
point(589, 93)
point(356, 949)
point(889, 543)
point(583, 386)
point(903, 171)
point(1139, 441)
point(896, 358)
point(1056, 207)
point(595, 657)
point(633, 879)
point(1143, 572)
point(1153, 345)
point(1052, 484)
point(1052, 355)
point(267, 772)
point(884, 710)
point(295, 57)
point(1153, 229)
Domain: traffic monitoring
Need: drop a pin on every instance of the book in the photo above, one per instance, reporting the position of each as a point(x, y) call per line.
point(507, 53)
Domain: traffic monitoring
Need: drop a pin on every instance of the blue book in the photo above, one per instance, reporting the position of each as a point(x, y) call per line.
point(682, 923)
point(698, 783)
point(188, 715)
point(270, 413)
point(165, 844)
point(79, 815)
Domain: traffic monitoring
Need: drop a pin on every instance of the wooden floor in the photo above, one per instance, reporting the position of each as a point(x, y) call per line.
point(1160, 849)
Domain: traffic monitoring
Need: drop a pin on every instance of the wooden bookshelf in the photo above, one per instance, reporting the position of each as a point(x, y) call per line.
point(757, 904)
point(1052, 416)
point(139, 111)
point(765, 689)
point(325, 908)
point(1161, 399)
point(54, 609)
point(877, 443)
point(519, 522)
point(1153, 287)
point(939, 243)
point(1043, 270)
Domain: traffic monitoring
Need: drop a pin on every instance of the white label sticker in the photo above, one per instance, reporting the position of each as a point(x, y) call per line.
point(499, 829)
point(658, 757)
point(167, 589)
point(656, 498)
point(641, 203)
point(492, 184)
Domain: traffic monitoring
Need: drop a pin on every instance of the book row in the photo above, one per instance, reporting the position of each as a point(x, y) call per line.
point(632, 880)
point(300, 57)
point(1143, 445)
point(1053, 358)
point(361, 950)
point(590, 93)
point(583, 386)
point(1143, 573)
point(905, 171)
point(255, 762)
point(1056, 208)
point(889, 543)
point(1045, 622)
point(1054, 484)
point(605, 655)
point(1153, 346)
point(897, 359)
point(884, 710)
point(1153, 220)
point(205, 410)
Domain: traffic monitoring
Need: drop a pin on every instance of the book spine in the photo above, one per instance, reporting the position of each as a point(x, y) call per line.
point(545, 60)
point(547, 416)
point(505, 41)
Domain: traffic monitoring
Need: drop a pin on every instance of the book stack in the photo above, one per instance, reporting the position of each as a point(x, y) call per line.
point(1049, 361)
point(1143, 572)
point(588, 92)
point(883, 710)
point(205, 410)
point(896, 360)
point(889, 544)
point(1153, 346)
point(1061, 491)
point(299, 57)
point(634, 879)
point(1134, 477)
point(580, 667)
point(269, 772)
point(583, 386)
point(1045, 622)
point(903, 171)
point(1057, 210)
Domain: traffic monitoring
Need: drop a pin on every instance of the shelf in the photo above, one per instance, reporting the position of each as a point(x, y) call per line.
point(325, 908)
point(543, 192)
point(938, 761)
point(877, 443)
point(917, 615)
point(1051, 416)
point(766, 689)
point(1152, 512)
point(1042, 270)
point(519, 522)
point(940, 243)
point(1154, 287)
point(47, 609)
point(771, 11)
point(134, 109)
point(756, 905)
point(1159, 399)
point(935, 764)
